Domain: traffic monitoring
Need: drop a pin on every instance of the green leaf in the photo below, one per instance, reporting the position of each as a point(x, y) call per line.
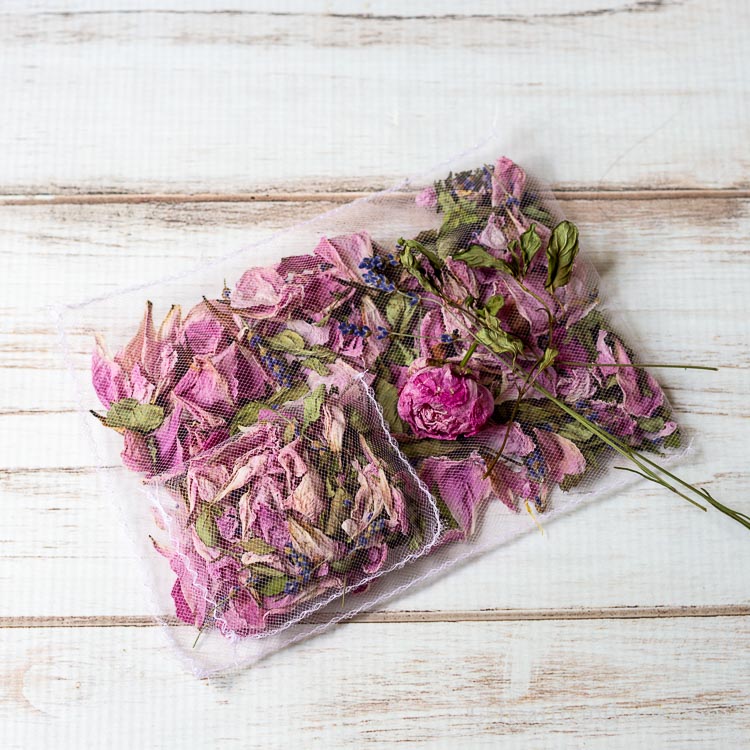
point(399, 353)
point(673, 440)
point(273, 586)
point(533, 212)
point(433, 257)
point(446, 203)
point(312, 405)
point(256, 546)
point(576, 432)
point(261, 569)
point(323, 353)
point(586, 331)
point(651, 424)
point(428, 447)
point(494, 304)
point(315, 364)
point(549, 356)
point(205, 527)
point(287, 341)
point(246, 416)
point(561, 254)
point(456, 213)
point(412, 265)
point(530, 412)
point(499, 342)
point(153, 450)
point(386, 395)
point(495, 338)
point(357, 421)
point(477, 257)
point(449, 242)
point(399, 313)
point(272, 583)
point(447, 521)
point(416, 537)
point(130, 414)
point(531, 242)
point(290, 432)
point(337, 513)
point(288, 394)
point(345, 564)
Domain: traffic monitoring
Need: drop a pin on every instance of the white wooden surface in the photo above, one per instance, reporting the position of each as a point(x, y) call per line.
point(627, 622)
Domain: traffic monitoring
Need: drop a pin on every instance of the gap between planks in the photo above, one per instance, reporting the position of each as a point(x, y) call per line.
point(487, 615)
point(342, 197)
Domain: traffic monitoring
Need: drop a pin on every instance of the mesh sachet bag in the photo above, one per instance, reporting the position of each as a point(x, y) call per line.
point(406, 381)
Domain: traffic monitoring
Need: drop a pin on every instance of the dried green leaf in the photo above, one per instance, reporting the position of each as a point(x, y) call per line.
point(386, 395)
point(673, 440)
point(284, 395)
point(290, 432)
point(495, 338)
point(477, 257)
point(494, 304)
point(323, 353)
point(205, 527)
point(272, 582)
point(531, 242)
point(246, 416)
point(428, 447)
point(549, 356)
point(534, 212)
point(312, 363)
point(337, 512)
point(256, 546)
point(651, 424)
point(447, 521)
point(399, 313)
point(312, 405)
point(400, 353)
point(561, 254)
point(130, 414)
point(575, 432)
point(287, 341)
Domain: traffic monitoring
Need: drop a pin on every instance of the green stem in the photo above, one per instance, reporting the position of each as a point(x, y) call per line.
point(468, 354)
point(636, 365)
point(624, 450)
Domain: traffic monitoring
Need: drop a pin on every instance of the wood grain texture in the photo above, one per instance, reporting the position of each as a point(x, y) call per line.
point(121, 96)
point(604, 684)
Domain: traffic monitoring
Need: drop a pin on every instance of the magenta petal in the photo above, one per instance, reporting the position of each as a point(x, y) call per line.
point(517, 444)
point(507, 179)
point(136, 455)
point(107, 377)
point(427, 198)
point(182, 608)
point(345, 253)
point(460, 484)
point(561, 456)
point(512, 484)
point(169, 449)
point(262, 293)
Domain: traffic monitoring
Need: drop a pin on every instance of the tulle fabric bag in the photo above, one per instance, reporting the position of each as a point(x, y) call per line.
point(356, 404)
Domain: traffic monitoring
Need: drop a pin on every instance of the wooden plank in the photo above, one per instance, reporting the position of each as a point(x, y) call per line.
point(383, 9)
point(562, 194)
point(659, 683)
point(121, 97)
point(408, 616)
